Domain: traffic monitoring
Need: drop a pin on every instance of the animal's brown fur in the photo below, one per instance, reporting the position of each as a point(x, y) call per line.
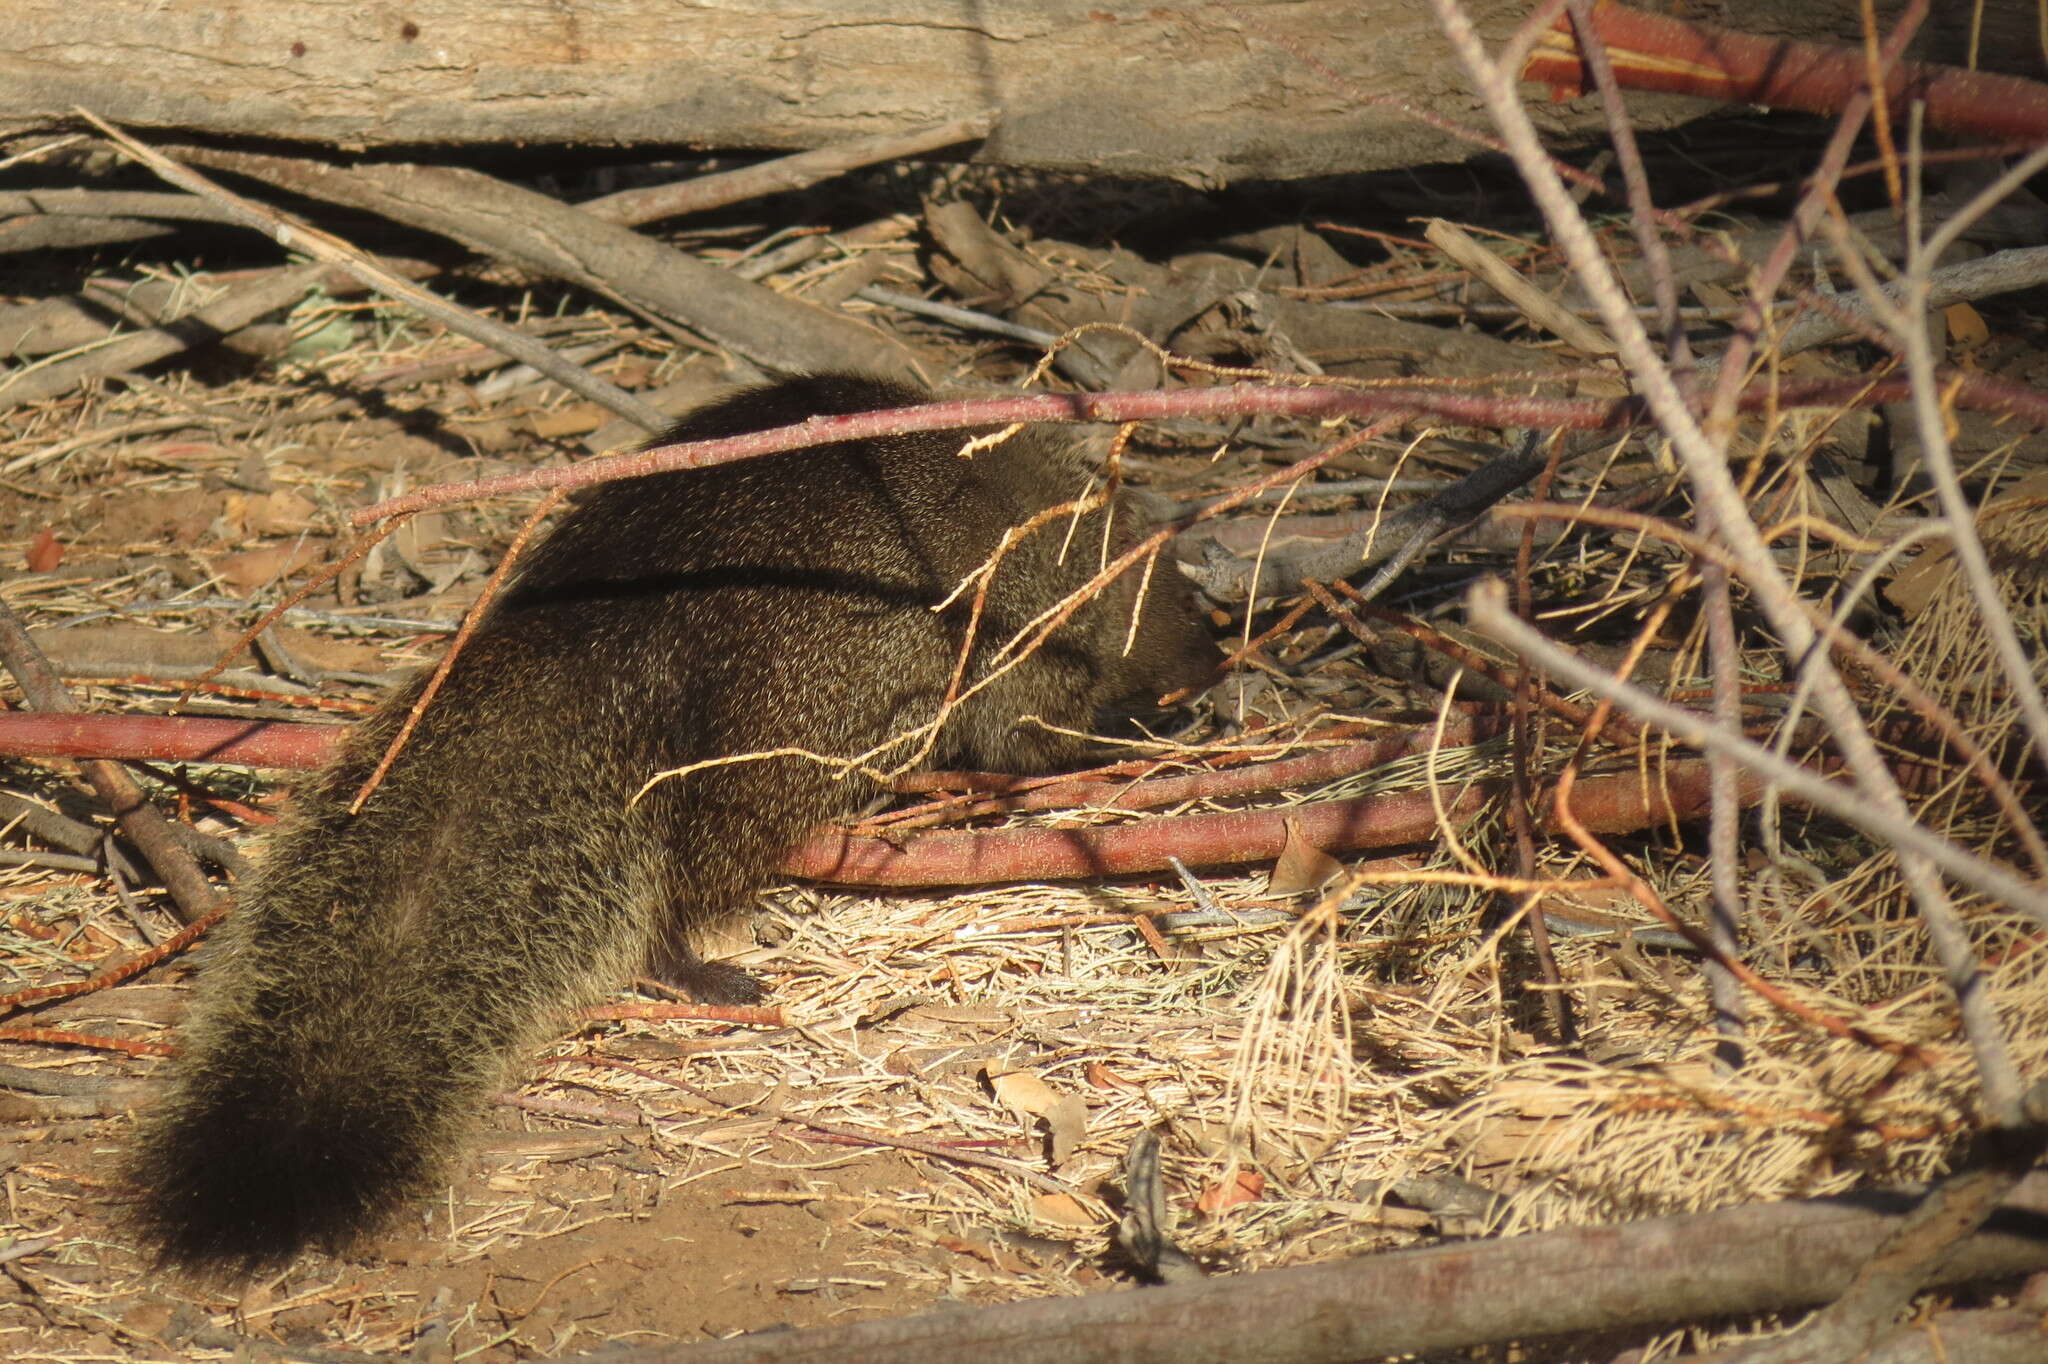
point(384, 971)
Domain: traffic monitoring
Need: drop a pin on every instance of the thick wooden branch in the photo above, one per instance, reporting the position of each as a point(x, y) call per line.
point(545, 235)
point(1617, 803)
point(1745, 1260)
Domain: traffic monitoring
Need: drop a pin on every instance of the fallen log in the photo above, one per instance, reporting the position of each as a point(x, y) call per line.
point(1206, 94)
point(1744, 1260)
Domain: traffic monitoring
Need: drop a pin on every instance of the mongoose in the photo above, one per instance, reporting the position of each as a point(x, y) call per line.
point(385, 971)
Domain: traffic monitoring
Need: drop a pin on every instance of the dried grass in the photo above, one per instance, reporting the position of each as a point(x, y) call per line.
point(1333, 1052)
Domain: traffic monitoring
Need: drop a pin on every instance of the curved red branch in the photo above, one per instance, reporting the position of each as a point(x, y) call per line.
point(1461, 408)
point(1620, 803)
point(1655, 52)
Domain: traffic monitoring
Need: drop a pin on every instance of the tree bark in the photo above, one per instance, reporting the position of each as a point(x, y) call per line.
point(1202, 93)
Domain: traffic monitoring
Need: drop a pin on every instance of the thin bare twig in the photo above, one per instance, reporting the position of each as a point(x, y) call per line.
point(1642, 209)
point(1486, 604)
point(470, 619)
point(1938, 459)
point(1715, 492)
point(1526, 736)
point(1735, 359)
point(114, 975)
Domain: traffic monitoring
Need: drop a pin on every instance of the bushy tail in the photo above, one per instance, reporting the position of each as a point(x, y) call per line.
point(373, 988)
point(243, 1169)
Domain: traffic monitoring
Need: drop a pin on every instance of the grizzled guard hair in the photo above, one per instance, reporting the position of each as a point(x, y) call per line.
point(386, 972)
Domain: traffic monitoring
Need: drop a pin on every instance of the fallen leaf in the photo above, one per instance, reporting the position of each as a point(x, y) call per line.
point(148, 1318)
point(280, 513)
point(254, 568)
point(418, 535)
point(1914, 586)
point(570, 421)
point(1966, 327)
point(44, 552)
point(1714, 296)
point(1930, 573)
point(1302, 866)
point(1064, 1115)
point(1022, 1091)
point(1595, 906)
point(1247, 1186)
point(985, 1250)
point(1102, 1077)
point(1060, 1209)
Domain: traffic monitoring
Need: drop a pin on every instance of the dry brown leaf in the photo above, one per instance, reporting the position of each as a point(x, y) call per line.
point(1593, 906)
point(569, 421)
point(1061, 1210)
point(1022, 1091)
point(1918, 583)
point(1100, 1076)
point(284, 513)
point(1714, 296)
point(987, 1251)
point(1302, 866)
point(44, 552)
point(1538, 1099)
point(419, 534)
point(1966, 327)
point(1064, 1115)
point(252, 569)
point(253, 516)
point(1509, 1141)
point(1246, 1186)
point(1068, 1122)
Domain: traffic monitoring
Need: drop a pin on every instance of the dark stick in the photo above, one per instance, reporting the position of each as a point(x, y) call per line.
point(1527, 739)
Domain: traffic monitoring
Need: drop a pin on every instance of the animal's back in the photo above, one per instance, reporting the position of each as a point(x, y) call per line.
point(384, 970)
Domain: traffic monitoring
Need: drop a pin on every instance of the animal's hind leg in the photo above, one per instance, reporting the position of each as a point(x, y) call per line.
point(672, 961)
